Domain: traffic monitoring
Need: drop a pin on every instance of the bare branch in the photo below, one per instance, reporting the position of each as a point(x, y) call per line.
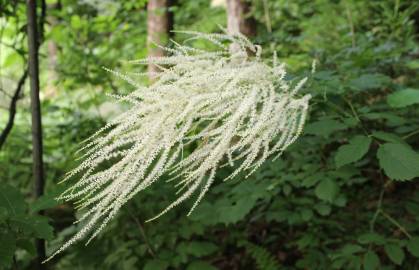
point(12, 108)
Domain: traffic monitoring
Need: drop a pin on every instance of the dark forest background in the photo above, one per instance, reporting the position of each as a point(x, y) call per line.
point(344, 196)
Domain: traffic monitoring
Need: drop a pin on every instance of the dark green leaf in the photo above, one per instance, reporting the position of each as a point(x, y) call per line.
point(156, 265)
point(371, 261)
point(395, 253)
point(387, 137)
point(3, 214)
point(413, 246)
point(324, 127)
point(7, 248)
point(355, 150)
point(371, 238)
point(200, 265)
point(350, 249)
point(369, 81)
point(36, 225)
point(323, 209)
point(27, 244)
point(327, 190)
point(12, 200)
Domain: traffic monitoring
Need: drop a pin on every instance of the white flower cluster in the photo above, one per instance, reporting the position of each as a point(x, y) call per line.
point(228, 107)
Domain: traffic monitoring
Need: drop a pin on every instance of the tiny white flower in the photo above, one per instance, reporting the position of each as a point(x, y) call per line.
point(237, 109)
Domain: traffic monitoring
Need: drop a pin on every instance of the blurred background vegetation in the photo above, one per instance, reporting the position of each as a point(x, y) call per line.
point(344, 196)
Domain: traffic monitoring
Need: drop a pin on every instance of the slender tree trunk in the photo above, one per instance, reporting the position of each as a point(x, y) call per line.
point(157, 30)
point(238, 19)
point(38, 171)
point(51, 90)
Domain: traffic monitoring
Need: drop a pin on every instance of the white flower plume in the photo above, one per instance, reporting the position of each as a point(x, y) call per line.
point(230, 107)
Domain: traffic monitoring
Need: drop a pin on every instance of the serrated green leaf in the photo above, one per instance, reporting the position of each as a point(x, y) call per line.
point(403, 98)
point(327, 190)
point(371, 261)
point(354, 151)
point(7, 249)
point(324, 127)
point(413, 246)
point(394, 253)
point(398, 161)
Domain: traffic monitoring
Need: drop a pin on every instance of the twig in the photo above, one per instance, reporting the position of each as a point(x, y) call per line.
point(142, 231)
point(12, 108)
point(398, 225)
point(377, 212)
point(410, 134)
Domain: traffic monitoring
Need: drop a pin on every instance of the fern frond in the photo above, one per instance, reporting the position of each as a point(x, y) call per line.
point(264, 260)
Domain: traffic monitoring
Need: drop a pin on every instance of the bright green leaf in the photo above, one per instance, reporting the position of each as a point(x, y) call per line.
point(355, 150)
point(12, 59)
point(399, 161)
point(403, 98)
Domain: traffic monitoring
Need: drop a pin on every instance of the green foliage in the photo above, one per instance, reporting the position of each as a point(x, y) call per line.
point(398, 161)
point(354, 151)
point(403, 98)
point(18, 227)
point(371, 261)
point(263, 258)
point(332, 201)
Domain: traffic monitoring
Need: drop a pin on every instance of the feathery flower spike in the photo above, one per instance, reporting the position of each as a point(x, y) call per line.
point(236, 108)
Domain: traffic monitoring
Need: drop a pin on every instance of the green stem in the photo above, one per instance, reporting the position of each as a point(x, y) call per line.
point(397, 224)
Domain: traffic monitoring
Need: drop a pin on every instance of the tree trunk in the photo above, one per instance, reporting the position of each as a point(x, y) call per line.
point(51, 90)
point(38, 172)
point(157, 31)
point(238, 19)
